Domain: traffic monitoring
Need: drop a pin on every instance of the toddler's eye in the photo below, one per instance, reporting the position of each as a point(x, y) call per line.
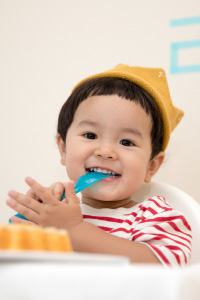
point(126, 143)
point(90, 135)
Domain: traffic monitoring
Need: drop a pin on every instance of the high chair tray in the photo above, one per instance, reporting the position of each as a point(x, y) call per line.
point(68, 258)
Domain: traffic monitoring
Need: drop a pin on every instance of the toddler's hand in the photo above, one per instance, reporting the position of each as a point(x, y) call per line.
point(51, 212)
point(57, 189)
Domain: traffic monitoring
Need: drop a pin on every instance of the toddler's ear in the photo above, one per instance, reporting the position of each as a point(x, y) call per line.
point(62, 149)
point(154, 165)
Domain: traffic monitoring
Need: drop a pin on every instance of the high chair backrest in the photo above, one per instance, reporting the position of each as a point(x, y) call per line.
point(182, 202)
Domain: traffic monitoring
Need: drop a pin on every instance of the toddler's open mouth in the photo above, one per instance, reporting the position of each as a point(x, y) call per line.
point(104, 171)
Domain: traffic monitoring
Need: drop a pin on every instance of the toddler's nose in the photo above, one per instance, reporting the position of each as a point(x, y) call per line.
point(106, 152)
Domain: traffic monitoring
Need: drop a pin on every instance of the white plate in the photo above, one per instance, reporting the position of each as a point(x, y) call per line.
point(42, 256)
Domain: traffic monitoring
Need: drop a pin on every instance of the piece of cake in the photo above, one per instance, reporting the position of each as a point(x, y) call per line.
point(28, 237)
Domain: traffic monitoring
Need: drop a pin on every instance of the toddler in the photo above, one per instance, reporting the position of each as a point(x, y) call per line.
point(117, 122)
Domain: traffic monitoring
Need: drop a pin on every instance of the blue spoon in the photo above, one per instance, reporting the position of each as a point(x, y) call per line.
point(82, 183)
point(87, 179)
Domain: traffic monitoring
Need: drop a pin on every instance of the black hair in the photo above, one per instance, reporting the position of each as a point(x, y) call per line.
point(113, 86)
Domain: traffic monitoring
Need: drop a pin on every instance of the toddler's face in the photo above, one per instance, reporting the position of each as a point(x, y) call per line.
point(109, 134)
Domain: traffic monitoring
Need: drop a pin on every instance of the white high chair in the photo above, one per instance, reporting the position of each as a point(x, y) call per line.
point(180, 201)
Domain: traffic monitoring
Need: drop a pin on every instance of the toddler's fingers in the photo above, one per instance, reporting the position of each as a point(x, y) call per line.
point(58, 190)
point(43, 193)
point(23, 210)
point(70, 194)
point(27, 202)
point(16, 220)
point(30, 193)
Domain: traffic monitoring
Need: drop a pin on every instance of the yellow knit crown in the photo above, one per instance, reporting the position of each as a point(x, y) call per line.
point(154, 82)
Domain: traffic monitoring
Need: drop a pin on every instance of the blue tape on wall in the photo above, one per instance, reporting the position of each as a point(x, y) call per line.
point(176, 46)
point(185, 21)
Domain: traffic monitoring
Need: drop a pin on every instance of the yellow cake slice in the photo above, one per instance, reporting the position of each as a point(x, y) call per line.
point(28, 237)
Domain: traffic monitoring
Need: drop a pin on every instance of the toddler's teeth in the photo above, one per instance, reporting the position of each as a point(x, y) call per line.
point(104, 171)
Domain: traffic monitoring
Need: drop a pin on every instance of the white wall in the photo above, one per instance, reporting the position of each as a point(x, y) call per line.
point(47, 46)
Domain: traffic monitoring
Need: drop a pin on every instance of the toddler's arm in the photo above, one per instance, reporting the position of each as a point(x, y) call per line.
point(85, 237)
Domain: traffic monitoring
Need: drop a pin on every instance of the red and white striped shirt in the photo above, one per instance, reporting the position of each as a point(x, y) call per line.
point(153, 222)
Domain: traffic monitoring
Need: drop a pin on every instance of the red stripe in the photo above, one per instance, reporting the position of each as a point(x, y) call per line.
point(134, 214)
point(107, 229)
point(168, 219)
point(140, 219)
point(108, 219)
point(162, 256)
point(171, 248)
point(161, 229)
point(128, 222)
point(153, 211)
point(111, 230)
point(159, 237)
point(161, 198)
point(143, 208)
point(177, 257)
point(175, 227)
point(160, 206)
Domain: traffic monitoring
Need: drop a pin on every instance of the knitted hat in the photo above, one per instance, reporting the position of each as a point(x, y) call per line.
point(154, 82)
